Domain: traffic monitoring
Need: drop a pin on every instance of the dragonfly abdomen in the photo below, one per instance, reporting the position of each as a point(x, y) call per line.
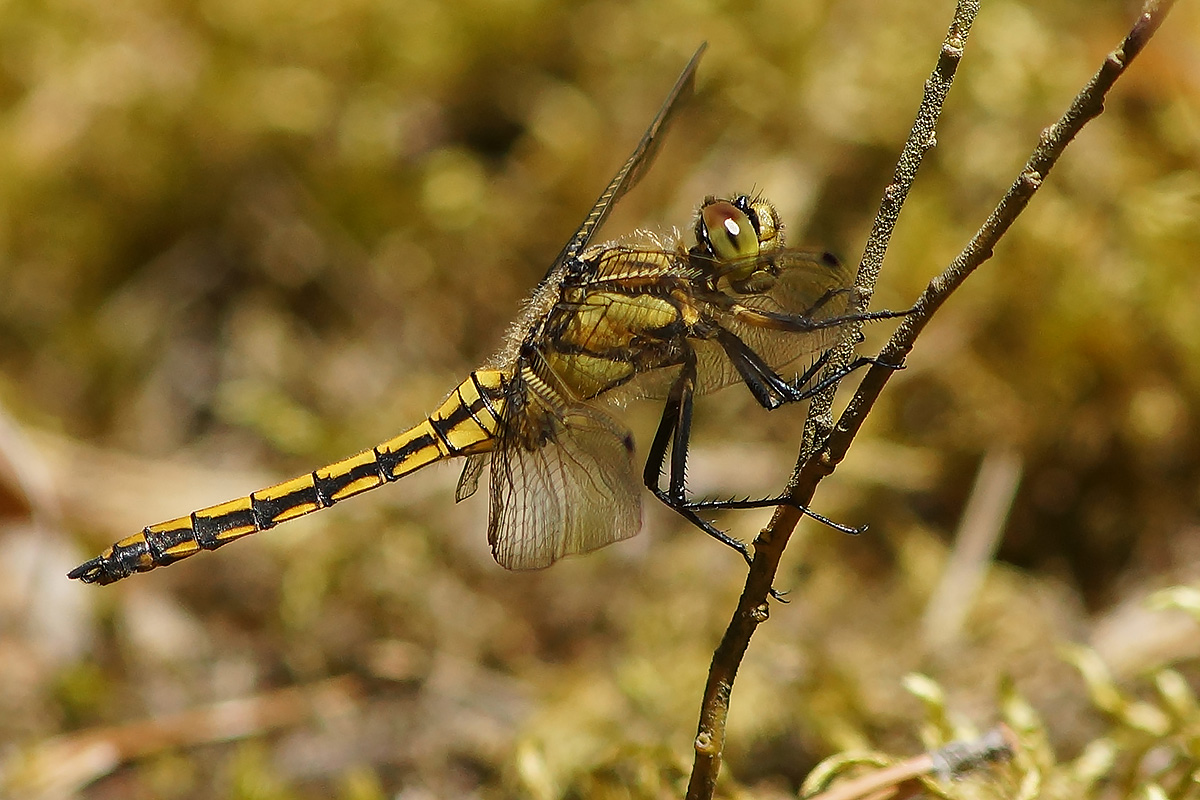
point(465, 424)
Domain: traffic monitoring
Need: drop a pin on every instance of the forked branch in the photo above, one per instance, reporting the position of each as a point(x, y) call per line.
point(818, 461)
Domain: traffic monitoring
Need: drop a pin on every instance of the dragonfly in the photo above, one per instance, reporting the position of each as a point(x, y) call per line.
point(647, 316)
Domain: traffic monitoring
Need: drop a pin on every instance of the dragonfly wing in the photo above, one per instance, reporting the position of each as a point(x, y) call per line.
point(468, 479)
point(636, 165)
point(810, 285)
point(575, 493)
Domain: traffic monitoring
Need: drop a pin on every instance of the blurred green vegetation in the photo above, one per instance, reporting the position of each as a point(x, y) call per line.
point(241, 239)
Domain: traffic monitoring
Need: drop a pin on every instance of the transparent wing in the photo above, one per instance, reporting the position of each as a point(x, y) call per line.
point(575, 492)
point(636, 165)
point(808, 285)
point(468, 479)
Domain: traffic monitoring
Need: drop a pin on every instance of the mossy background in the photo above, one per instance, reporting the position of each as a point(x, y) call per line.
point(242, 239)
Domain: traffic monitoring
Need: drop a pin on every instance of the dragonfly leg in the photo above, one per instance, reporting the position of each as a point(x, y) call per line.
point(771, 390)
point(673, 431)
point(803, 323)
point(770, 502)
point(768, 387)
point(672, 434)
point(829, 380)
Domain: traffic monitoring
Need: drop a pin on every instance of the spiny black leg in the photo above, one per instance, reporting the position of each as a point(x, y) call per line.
point(853, 366)
point(668, 427)
point(801, 323)
point(677, 480)
point(770, 390)
point(875, 362)
point(827, 381)
point(657, 457)
point(813, 370)
point(673, 431)
point(771, 502)
point(683, 432)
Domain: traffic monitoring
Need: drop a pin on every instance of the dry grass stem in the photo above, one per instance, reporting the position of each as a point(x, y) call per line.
point(61, 766)
point(975, 543)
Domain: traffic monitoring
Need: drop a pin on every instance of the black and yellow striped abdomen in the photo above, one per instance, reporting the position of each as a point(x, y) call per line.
point(465, 424)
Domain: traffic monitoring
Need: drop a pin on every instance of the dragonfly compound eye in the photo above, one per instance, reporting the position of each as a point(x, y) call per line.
point(766, 222)
point(728, 231)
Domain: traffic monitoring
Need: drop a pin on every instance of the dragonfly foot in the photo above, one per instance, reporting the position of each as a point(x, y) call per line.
point(877, 362)
point(821, 518)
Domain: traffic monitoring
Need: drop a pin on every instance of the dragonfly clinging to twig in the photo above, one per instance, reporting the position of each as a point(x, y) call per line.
point(652, 316)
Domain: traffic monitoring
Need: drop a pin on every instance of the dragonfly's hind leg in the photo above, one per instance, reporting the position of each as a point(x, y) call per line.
point(673, 431)
point(675, 426)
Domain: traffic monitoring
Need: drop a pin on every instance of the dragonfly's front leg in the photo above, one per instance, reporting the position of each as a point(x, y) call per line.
point(771, 390)
point(802, 323)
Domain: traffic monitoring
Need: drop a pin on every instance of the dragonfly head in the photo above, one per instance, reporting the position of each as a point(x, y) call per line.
point(733, 234)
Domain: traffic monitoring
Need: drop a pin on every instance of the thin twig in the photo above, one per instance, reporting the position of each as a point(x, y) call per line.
point(752, 607)
point(922, 137)
point(768, 547)
point(1086, 106)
